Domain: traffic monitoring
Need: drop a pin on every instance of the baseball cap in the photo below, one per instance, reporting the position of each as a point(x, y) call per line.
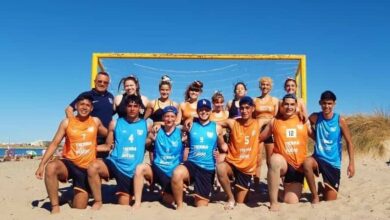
point(203, 103)
point(246, 100)
point(170, 109)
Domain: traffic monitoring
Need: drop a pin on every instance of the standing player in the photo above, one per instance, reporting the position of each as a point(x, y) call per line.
point(330, 127)
point(102, 107)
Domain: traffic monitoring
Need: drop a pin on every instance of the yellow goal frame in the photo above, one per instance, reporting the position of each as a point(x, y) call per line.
point(300, 74)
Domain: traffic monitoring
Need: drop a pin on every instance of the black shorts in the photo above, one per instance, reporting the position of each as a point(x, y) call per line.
point(270, 139)
point(124, 184)
point(330, 174)
point(293, 175)
point(241, 179)
point(203, 179)
point(78, 175)
point(161, 178)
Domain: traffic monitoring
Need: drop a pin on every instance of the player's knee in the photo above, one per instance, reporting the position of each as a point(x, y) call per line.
point(177, 176)
point(139, 171)
point(291, 199)
point(221, 170)
point(275, 162)
point(308, 165)
point(51, 170)
point(93, 169)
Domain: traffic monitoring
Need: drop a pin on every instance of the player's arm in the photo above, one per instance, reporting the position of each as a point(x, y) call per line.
point(221, 142)
point(227, 123)
point(117, 101)
point(304, 110)
point(60, 134)
point(150, 139)
point(149, 109)
point(313, 120)
point(179, 113)
point(350, 148)
point(101, 129)
point(276, 105)
point(106, 147)
point(69, 111)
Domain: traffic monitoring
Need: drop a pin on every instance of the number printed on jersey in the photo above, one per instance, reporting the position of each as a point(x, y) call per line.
point(246, 139)
point(291, 133)
point(131, 138)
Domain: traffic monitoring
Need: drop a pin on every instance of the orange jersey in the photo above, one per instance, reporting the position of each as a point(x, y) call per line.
point(265, 108)
point(291, 139)
point(188, 111)
point(80, 142)
point(222, 115)
point(244, 147)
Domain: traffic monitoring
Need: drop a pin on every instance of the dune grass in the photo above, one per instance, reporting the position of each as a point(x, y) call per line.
point(369, 132)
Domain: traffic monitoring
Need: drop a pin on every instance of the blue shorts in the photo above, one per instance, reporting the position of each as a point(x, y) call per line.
point(161, 178)
point(293, 175)
point(124, 184)
point(241, 179)
point(330, 174)
point(203, 179)
point(78, 175)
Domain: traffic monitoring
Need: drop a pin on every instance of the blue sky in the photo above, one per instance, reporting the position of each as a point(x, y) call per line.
point(46, 48)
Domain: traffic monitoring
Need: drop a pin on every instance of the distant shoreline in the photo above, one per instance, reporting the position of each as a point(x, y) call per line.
point(22, 146)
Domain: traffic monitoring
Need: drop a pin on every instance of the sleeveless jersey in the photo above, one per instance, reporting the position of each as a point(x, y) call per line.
point(264, 109)
point(291, 140)
point(122, 112)
point(234, 111)
point(219, 116)
point(188, 111)
point(129, 148)
point(328, 146)
point(244, 147)
point(80, 142)
point(203, 143)
point(158, 113)
point(168, 151)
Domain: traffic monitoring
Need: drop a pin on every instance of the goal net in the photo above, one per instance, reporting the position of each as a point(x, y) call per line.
point(218, 72)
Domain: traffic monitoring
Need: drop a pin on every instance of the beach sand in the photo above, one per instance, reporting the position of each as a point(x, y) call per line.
point(366, 196)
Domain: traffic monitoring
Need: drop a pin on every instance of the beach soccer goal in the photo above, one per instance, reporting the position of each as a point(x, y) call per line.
point(218, 72)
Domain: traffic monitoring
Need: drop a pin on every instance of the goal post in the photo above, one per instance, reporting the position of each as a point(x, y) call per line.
point(300, 73)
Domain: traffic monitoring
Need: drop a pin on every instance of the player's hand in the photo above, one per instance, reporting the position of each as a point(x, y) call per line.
point(39, 172)
point(351, 170)
point(156, 127)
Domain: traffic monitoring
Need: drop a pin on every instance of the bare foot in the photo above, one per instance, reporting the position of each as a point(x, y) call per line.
point(96, 205)
point(274, 207)
point(230, 205)
point(136, 206)
point(179, 207)
point(55, 209)
point(315, 199)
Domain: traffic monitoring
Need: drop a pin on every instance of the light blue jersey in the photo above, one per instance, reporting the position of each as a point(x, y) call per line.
point(129, 148)
point(328, 145)
point(168, 151)
point(203, 143)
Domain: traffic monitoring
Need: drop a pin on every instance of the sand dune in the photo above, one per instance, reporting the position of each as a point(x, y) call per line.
point(366, 196)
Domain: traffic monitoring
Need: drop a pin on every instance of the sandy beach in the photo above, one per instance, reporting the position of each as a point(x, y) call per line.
point(366, 196)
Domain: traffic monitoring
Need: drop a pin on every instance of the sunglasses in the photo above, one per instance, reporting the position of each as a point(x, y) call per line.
point(102, 82)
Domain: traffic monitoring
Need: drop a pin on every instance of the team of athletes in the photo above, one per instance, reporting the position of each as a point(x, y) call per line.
point(197, 142)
